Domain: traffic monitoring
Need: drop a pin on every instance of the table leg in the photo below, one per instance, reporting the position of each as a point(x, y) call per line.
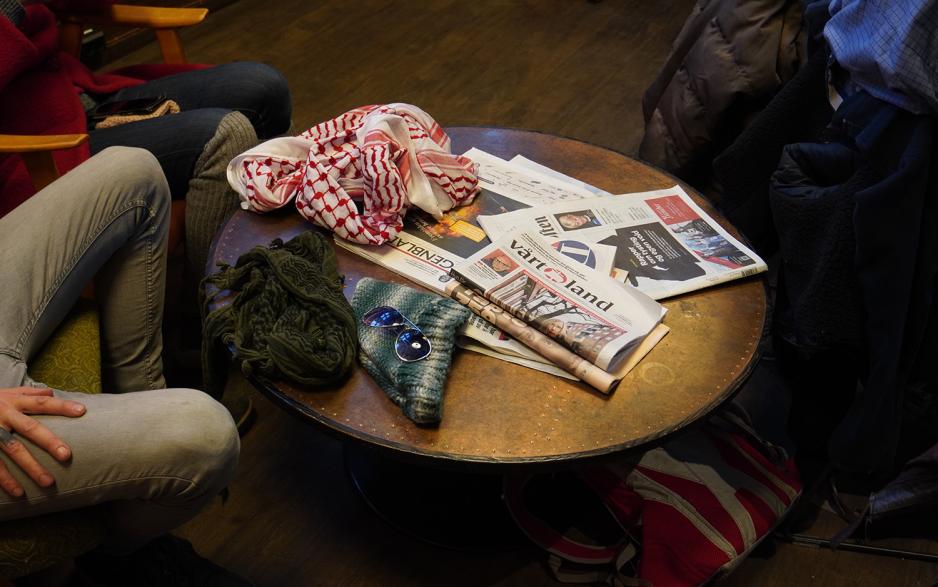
point(444, 508)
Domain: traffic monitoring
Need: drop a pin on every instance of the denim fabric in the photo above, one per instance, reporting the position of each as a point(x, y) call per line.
point(107, 220)
point(205, 97)
point(149, 460)
point(176, 140)
point(256, 90)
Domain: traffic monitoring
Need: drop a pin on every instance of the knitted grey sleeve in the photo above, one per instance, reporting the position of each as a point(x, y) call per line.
point(210, 199)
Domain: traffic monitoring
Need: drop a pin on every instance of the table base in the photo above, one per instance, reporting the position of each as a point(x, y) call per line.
point(454, 510)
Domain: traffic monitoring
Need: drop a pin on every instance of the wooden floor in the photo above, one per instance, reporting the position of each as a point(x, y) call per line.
point(570, 67)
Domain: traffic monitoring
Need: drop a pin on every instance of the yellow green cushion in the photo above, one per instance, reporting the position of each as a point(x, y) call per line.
point(71, 359)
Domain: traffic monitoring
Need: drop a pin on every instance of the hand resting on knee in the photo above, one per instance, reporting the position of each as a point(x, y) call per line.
point(15, 404)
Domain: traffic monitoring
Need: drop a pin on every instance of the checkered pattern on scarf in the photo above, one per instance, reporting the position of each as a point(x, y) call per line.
point(390, 157)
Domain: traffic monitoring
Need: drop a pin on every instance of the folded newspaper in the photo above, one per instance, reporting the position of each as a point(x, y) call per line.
point(665, 242)
point(426, 249)
point(659, 240)
point(579, 318)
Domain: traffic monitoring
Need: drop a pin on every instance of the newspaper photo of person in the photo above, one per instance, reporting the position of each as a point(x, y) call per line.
point(499, 262)
point(696, 227)
point(576, 220)
point(553, 328)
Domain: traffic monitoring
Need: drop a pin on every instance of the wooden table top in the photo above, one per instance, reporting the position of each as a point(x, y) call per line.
point(496, 413)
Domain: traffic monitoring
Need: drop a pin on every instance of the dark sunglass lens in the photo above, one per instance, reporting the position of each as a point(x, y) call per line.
point(383, 316)
point(412, 345)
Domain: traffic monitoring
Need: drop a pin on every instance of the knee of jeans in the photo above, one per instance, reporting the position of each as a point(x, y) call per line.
point(202, 434)
point(138, 172)
point(271, 94)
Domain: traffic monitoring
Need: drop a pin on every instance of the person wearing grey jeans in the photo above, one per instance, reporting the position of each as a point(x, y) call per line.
point(145, 457)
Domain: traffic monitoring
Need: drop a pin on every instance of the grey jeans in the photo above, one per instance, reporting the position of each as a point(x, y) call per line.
point(147, 458)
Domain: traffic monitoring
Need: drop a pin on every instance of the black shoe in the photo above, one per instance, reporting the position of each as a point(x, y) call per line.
point(166, 561)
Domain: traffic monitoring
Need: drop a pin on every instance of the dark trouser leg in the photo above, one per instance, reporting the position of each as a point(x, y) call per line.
point(256, 90)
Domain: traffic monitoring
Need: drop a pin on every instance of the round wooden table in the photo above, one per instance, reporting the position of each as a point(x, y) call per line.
point(499, 416)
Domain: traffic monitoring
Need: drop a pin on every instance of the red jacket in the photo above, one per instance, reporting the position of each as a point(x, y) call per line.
point(39, 88)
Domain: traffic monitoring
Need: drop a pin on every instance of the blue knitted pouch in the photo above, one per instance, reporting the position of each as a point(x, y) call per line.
point(417, 387)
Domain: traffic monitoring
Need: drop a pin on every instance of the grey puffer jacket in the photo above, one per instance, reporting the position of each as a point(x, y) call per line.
point(729, 59)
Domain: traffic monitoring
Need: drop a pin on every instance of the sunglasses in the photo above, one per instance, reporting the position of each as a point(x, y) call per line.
point(411, 344)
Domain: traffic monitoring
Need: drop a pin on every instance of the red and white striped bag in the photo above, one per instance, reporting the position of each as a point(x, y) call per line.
point(687, 511)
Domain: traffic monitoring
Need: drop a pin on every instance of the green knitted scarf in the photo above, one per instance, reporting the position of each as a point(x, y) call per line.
point(288, 319)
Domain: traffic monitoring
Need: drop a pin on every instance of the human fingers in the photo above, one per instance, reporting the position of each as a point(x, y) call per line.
point(9, 483)
point(39, 435)
point(46, 391)
point(16, 450)
point(28, 391)
point(42, 404)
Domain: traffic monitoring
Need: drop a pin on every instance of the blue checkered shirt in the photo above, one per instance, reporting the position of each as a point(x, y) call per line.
point(890, 48)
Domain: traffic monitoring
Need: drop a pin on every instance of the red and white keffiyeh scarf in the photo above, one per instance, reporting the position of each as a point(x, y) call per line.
point(391, 157)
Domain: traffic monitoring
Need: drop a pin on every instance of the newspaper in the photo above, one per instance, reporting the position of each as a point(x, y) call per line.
point(595, 256)
point(541, 364)
point(666, 243)
point(583, 310)
point(426, 249)
point(546, 346)
point(525, 163)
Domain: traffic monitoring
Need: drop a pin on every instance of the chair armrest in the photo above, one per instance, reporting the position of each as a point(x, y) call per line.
point(36, 151)
point(39, 143)
point(140, 16)
point(163, 21)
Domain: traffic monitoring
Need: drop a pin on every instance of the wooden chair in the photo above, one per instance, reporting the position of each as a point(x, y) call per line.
point(37, 150)
point(71, 359)
point(165, 22)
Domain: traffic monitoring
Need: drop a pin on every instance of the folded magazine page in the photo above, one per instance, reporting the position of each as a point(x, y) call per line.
point(586, 311)
point(666, 243)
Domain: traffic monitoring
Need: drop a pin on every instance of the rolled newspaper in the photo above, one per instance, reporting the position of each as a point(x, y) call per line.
point(546, 346)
